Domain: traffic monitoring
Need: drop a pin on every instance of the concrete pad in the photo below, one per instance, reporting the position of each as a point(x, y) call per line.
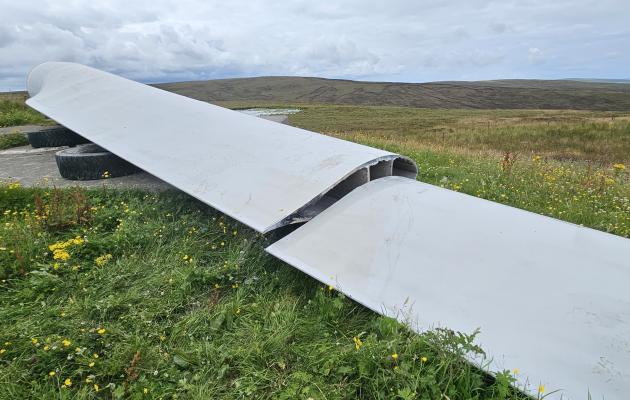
point(37, 168)
point(25, 129)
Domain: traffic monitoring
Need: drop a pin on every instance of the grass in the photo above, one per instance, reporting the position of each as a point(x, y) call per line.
point(601, 137)
point(182, 302)
point(9, 140)
point(157, 296)
point(14, 112)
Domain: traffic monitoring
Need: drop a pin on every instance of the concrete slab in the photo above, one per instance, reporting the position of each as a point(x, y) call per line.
point(37, 167)
point(24, 128)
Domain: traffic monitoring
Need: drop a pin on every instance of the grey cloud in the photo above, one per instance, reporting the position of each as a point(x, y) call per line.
point(498, 27)
point(364, 39)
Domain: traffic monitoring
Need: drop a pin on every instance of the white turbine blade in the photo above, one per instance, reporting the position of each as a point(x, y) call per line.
point(257, 171)
point(551, 298)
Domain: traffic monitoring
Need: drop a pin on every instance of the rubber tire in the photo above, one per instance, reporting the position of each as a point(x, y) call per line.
point(89, 162)
point(55, 137)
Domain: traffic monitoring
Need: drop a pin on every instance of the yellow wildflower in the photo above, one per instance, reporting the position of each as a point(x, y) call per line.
point(14, 185)
point(91, 364)
point(395, 356)
point(67, 382)
point(619, 167)
point(46, 348)
point(77, 350)
point(61, 254)
point(330, 288)
point(102, 260)
point(96, 387)
point(424, 359)
point(101, 331)
point(2, 351)
point(541, 388)
point(34, 341)
point(357, 342)
point(66, 343)
point(95, 355)
point(52, 373)
point(145, 390)
point(515, 371)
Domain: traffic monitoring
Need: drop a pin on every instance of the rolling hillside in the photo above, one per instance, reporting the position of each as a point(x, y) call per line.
point(500, 94)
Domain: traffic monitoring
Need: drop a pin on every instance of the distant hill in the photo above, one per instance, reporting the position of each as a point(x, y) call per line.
point(498, 94)
point(627, 81)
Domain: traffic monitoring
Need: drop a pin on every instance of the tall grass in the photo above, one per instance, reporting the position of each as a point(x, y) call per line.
point(602, 137)
point(14, 113)
point(9, 140)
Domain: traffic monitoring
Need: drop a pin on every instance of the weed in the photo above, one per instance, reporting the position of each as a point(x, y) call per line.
point(59, 209)
point(13, 113)
point(9, 140)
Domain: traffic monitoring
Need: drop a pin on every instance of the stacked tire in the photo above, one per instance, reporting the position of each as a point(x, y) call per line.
point(90, 162)
point(83, 160)
point(55, 137)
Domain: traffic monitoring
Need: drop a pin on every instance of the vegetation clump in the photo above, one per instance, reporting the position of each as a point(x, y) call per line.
point(14, 139)
point(14, 113)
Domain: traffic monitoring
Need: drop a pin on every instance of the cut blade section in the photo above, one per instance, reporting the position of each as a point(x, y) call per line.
point(258, 172)
point(550, 298)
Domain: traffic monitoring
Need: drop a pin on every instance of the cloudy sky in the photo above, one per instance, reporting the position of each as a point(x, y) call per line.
point(394, 40)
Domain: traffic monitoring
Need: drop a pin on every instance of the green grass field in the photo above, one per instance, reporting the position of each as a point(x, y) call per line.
point(109, 294)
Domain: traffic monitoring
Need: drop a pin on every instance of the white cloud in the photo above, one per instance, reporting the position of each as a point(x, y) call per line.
point(364, 39)
point(535, 55)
